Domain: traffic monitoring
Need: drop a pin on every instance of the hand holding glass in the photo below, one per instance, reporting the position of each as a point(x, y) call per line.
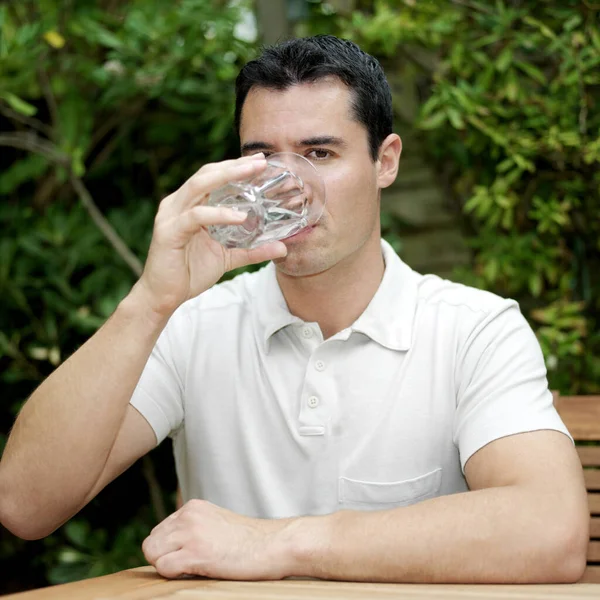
point(288, 196)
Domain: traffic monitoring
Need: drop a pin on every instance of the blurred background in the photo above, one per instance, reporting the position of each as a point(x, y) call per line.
point(107, 106)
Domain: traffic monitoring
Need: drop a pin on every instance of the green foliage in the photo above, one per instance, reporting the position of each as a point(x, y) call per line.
point(512, 110)
point(89, 552)
point(130, 98)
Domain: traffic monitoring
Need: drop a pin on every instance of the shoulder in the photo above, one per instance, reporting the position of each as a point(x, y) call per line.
point(433, 291)
point(466, 313)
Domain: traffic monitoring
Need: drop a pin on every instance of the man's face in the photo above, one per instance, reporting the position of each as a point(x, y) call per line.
point(314, 120)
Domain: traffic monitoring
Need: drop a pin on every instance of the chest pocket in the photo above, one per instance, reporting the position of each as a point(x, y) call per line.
point(366, 495)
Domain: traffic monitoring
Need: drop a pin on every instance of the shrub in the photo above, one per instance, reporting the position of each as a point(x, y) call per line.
point(511, 116)
point(105, 108)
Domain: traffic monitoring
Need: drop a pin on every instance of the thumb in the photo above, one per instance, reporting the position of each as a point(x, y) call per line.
point(238, 257)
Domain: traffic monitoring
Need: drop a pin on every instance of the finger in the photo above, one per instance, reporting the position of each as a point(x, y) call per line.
point(175, 564)
point(178, 197)
point(239, 257)
point(194, 219)
point(231, 162)
point(169, 520)
point(157, 545)
point(200, 185)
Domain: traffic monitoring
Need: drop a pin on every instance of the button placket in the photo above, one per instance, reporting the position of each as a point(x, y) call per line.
point(314, 403)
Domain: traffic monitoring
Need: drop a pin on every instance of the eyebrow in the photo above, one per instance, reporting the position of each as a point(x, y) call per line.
point(321, 140)
point(256, 146)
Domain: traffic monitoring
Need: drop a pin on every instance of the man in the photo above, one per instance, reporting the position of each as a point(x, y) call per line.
point(339, 415)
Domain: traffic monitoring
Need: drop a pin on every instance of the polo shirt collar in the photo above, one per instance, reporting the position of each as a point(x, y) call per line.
point(270, 305)
point(387, 320)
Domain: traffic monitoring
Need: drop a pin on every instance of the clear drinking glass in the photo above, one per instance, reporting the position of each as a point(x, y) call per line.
point(286, 197)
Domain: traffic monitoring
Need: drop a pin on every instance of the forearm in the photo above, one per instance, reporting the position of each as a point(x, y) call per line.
point(64, 433)
point(496, 535)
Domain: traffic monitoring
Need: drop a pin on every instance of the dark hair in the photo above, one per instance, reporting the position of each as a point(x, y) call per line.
point(306, 60)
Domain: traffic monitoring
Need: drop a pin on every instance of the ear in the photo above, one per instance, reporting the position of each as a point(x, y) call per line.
point(389, 158)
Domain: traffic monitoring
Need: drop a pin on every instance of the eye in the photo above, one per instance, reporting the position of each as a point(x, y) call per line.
point(319, 154)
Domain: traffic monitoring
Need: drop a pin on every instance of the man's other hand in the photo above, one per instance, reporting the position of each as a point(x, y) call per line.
point(206, 540)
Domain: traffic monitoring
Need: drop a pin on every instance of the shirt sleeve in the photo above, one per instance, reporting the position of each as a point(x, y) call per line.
point(158, 395)
point(502, 387)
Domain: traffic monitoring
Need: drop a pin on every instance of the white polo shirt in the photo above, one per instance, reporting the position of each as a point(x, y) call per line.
point(269, 420)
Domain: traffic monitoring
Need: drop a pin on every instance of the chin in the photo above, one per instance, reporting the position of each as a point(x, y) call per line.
point(299, 263)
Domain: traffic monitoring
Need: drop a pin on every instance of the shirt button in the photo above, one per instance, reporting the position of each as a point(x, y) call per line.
point(307, 332)
point(313, 402)
point(320, 365)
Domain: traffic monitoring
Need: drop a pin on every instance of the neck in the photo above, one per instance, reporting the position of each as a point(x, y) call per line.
point(337, 297)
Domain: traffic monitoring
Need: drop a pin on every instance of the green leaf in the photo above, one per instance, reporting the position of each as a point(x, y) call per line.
point(505, 165)
point(432, 103)
point(511, 86)
point(455, 118)
point(504, 59)
point(72, 566)
point(572, 78)
point(572, 23)
point(486, 40)
point(523, 163)
point(18, 104)
point(484, 80)
point(434, 121)
point(77, 532)
point(532, 71)
point(495, 135)
point(28, 169)
point(77, 163)
point(93, 31)
point(535, 284)
point(544, 29)
point(76, 122)
point(491, 269)
point(465, 102)
point(595, 35)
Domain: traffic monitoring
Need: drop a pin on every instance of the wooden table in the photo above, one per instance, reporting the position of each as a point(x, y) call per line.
point(145, 584)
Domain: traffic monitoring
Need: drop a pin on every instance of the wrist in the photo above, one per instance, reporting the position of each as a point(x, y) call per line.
point(137, 304)
point(307, 541)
